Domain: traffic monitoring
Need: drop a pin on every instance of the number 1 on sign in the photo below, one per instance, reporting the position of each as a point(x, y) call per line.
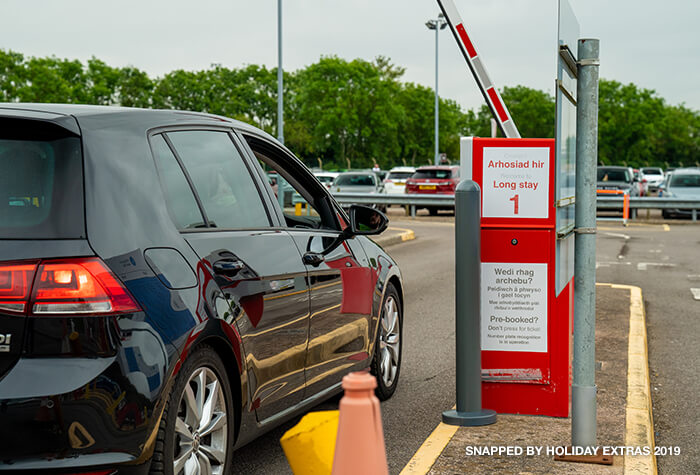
point(515, 200)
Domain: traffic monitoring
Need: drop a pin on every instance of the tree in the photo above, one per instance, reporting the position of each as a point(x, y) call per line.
point(350, 111)
point(531, 110)
point(356, 110)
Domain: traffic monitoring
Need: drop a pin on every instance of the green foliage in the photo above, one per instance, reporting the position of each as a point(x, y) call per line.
point(531, 110)
point(355, 113)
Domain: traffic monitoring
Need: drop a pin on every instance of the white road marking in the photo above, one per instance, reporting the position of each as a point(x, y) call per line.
point(646, 265)
point(611, 263)
point(620, 235)
point(655, 251)
point(696, 293)
point(694, 277)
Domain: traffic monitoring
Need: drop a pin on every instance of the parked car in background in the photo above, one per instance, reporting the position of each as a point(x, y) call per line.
point(654, 177)
point(158, 308)
point(326, 178)
point(618, 179)
point(681, 183)
point(359, 182)
point(434, 180)
point(643, 185)
point(395, 182)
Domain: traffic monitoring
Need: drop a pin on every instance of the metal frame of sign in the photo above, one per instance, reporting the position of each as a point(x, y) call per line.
point(565, 137)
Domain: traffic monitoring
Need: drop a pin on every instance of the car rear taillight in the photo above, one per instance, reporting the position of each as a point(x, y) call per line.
point(15, 286)
point(79, 286)
point(386, 180)
point(60, 287)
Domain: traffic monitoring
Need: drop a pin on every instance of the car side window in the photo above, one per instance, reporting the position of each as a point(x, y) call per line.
point(303, 205)
point(225, 186)
point(179, 197)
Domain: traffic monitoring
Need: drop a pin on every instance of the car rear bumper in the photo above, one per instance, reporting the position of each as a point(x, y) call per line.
point(77, 413)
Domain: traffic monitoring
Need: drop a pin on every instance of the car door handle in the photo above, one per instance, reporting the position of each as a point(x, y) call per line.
point(228, 267)
point(313, 259)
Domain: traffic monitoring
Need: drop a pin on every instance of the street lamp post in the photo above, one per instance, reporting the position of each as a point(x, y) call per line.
point(437, 25)
point(280, 98)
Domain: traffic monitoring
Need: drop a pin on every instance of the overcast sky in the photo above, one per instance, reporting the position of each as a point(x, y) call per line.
point(654, 44)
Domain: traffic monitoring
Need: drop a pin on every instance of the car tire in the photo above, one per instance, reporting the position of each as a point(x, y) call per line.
point(186, 443)
point(386, 363)
point(665, 214)
point(433, 211)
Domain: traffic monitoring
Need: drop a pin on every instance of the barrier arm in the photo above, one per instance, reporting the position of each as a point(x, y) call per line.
point(476, 65)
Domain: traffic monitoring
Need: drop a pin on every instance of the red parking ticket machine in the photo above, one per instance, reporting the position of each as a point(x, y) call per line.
point(526, 274)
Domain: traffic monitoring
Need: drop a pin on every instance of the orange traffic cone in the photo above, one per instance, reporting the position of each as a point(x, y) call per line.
point(359, 447)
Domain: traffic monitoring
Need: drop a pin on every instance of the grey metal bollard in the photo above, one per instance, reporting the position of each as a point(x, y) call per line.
point(468, 309)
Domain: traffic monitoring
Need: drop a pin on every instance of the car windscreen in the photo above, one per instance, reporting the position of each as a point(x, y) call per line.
point(652, 171)
point(685, 181)
point(433, 174)
point(41, 181)
point(613, 174)
point(399, 175)
point(354, 180)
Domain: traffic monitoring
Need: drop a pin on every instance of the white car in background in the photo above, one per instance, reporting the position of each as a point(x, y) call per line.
point(395, 182)
point(653, 176)
point(326, 178)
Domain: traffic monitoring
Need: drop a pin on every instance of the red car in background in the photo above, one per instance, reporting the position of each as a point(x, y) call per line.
point(435, 180)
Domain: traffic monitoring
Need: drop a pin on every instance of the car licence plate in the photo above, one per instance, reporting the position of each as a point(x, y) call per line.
point(426, 187)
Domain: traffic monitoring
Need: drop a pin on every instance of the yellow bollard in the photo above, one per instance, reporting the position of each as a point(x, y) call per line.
point(309, 445)
point(297, 209)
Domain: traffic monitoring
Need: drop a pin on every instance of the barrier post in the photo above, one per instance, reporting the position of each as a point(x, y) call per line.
point(583, 395)
point(468, 309)
point(625, 208)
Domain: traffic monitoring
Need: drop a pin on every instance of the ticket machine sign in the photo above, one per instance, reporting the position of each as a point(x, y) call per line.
point(525, 322)
point(515, 182)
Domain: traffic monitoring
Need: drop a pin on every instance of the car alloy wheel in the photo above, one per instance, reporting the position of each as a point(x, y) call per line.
point(201, 426)
point(389, 342)
point(197, 428)
point(386, 364)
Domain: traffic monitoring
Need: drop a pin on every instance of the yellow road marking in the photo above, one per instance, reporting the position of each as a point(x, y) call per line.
point(427, 454)
point(667, 227)
point(639, 420)
point(406, 234)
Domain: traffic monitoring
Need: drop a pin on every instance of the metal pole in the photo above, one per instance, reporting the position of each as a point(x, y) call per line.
point(468, 309)
point(280, 98)
point(583, 396)
point(437, 101)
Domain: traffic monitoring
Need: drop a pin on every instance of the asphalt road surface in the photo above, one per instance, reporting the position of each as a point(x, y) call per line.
point(665, 262)
point(426, 385)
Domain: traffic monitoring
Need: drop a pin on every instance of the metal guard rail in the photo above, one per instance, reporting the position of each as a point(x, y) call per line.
point(602, 202)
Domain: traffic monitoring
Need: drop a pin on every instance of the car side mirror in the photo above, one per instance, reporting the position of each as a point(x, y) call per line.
point(367, 221)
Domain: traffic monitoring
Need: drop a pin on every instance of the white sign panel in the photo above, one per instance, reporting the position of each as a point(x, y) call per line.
point(516, 182)
point(514, 307)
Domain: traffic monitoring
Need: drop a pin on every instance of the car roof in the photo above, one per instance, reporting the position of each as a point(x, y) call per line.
point(402, 169)
point(612, 167)
point(84, 112)
point(438, 167)
point(687, 171)
point(358, 173)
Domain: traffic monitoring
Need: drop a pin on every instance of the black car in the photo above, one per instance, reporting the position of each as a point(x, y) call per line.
point(158, 308)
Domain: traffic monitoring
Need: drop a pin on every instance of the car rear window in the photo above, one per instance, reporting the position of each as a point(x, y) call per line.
point(433, 174)
point(355, 180)
point(606, 174)
point(686, 181)
point(41, 181)
point(399, 175)
point(652, 171)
